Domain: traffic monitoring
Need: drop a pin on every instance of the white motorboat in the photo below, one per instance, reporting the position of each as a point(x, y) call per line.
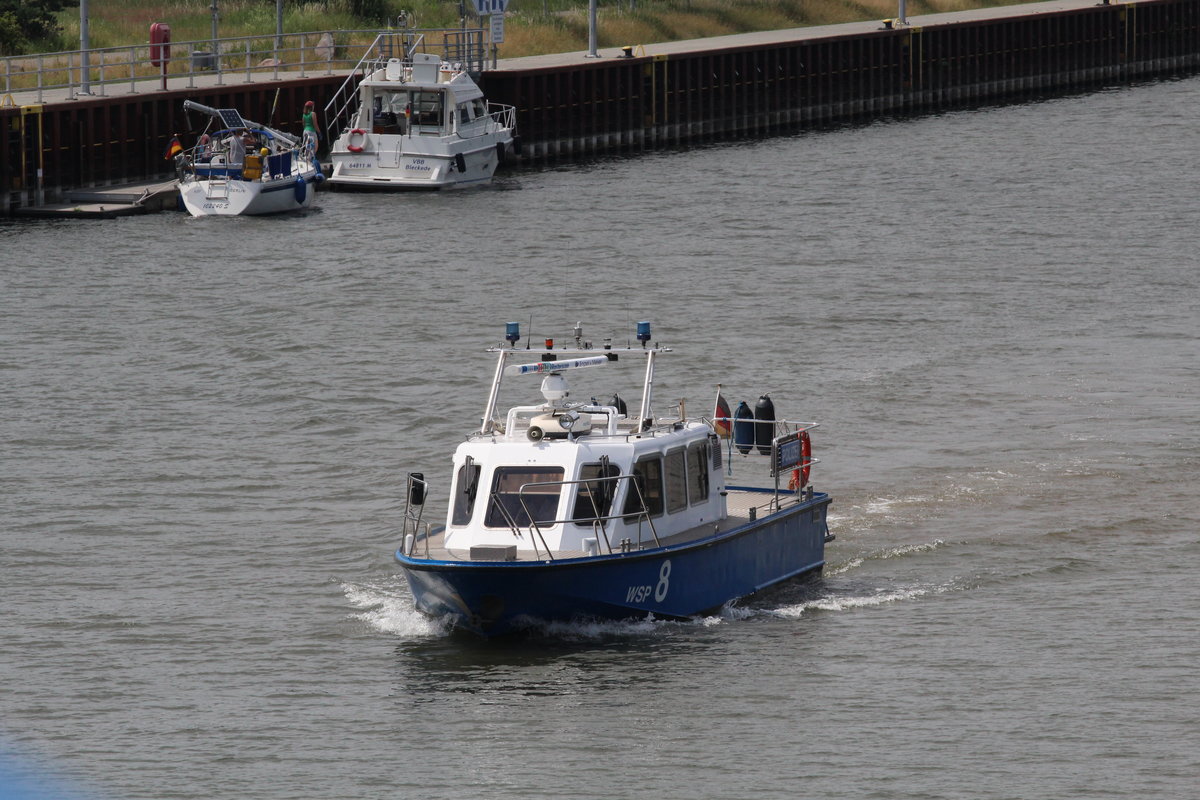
point(415, 123)
point(244, 168)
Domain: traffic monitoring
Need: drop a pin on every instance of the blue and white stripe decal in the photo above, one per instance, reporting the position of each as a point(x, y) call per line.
point(542, 367)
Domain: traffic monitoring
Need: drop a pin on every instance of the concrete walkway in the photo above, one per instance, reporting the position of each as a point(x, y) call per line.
point(110, 201)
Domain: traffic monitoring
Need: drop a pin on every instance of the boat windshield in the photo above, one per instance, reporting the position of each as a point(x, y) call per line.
point(393, 111)
point(595, 494)
point(391, 103)
point(523, 495)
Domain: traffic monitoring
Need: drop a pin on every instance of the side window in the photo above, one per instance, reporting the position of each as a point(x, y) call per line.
point(522, 495)
point(593, 499)
point(646, 487)
point(676, 476)
point(465, 489)
point(697, 462)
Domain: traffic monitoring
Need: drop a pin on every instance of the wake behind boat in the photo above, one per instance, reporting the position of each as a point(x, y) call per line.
point(563, 510)
point(238, 167)
point(416, 122)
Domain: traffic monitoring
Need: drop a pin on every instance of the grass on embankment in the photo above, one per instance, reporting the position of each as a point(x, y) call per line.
point(532, 27)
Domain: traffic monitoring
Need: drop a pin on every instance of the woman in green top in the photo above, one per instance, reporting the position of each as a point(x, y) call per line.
point(310, 124)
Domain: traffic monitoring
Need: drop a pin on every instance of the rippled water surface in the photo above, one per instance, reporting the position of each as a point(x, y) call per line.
point(993, 313)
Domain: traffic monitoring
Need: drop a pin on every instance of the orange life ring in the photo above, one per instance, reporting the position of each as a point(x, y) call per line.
point(355, 148)
point(805, 458)
point(800, 474)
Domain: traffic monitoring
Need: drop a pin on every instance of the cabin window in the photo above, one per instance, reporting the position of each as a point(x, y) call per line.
point(465, 489)
point(698, 472)
point(676, 481)
point(593, 499)
point(646, 485)
point(540, 502)
point(427, 108)
point(464, 113)
point(389, 111)
point(480, 106)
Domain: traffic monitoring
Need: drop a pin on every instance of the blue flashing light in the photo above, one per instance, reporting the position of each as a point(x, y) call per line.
point(643, 332)
point(512, 332)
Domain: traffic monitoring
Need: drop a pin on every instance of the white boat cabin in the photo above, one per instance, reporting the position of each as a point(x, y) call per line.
point(580, 479)
point(424, 98)
point(579, 493)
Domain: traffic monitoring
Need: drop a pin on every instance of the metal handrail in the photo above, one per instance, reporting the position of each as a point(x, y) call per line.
point(503, 117)
point(267, 56)
point(412, 519)
point(515, 528)
point(535, 526)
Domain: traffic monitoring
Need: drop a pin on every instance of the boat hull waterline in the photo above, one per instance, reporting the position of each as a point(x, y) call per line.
point(425, 172)
point(243, 198)
point(669, 582)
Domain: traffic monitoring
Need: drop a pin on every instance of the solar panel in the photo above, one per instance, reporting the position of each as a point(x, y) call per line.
point(232, 118)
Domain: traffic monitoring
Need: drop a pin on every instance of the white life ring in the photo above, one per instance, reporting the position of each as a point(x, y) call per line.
point(356, 148)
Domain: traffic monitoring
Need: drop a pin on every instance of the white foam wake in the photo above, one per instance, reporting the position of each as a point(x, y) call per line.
point(851, 602)
point(389, 611)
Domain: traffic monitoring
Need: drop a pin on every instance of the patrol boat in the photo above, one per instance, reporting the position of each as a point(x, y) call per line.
point(566, 510)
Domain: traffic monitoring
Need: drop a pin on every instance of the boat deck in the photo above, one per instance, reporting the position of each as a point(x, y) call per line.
point(739, 505)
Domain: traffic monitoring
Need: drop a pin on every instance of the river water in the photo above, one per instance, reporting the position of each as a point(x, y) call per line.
point(993, 313)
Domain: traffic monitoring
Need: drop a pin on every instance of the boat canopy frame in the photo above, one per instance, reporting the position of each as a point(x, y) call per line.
point(489, 423)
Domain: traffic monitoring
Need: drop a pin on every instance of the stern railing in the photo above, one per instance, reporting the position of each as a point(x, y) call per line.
point(415, 492)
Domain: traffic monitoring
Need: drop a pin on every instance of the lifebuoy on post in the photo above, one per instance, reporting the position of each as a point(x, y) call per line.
point(350, 145)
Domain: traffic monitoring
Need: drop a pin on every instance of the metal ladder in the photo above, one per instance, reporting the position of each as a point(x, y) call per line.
point(218, 187)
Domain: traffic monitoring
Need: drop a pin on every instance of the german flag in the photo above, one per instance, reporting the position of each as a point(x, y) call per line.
point(174, 148)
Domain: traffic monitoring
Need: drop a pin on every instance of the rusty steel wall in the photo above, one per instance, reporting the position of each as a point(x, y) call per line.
point(623, 104)
point(638, 103)
point(123, 138)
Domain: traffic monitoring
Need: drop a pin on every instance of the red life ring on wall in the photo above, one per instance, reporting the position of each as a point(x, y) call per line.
point(356, 148)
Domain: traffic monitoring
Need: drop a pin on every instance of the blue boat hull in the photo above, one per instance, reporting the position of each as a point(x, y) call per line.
point(494, 598)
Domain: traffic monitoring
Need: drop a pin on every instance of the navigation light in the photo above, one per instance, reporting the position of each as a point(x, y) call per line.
point(643, 332)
